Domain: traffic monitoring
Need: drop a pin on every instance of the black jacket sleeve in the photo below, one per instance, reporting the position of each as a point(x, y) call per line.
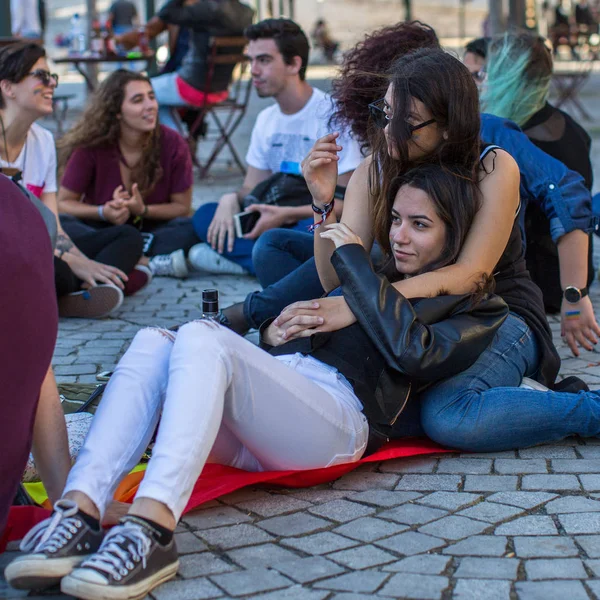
point(436, 338)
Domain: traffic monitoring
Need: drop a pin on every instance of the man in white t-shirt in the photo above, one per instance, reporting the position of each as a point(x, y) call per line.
point(282, 136)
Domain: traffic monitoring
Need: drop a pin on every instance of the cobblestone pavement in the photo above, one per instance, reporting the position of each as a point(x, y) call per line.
point(512, 525)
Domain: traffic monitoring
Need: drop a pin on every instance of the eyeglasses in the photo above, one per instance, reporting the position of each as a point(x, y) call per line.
point(379, 111)
point(45, 77)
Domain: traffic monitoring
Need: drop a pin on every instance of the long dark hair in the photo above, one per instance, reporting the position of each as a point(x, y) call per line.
point(100, 127)
point(16, 61)
point(445, 86)
point(363, 75)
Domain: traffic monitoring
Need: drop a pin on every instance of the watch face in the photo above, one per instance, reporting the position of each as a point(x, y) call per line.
point(572, 294)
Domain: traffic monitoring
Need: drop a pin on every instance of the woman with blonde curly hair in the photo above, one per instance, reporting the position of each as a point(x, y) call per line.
point(120, 166)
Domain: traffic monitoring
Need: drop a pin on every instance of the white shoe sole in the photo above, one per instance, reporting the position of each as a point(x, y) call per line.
point(95, 303)
point(73, 586)
point(532, 384)
point(25, 573)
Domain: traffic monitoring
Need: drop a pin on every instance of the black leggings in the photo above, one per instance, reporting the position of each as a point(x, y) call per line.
point(118, 246)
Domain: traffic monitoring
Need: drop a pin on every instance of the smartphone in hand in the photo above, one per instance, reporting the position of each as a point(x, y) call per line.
point(244, 222)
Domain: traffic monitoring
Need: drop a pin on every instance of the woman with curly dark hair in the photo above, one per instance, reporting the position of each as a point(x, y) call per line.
point(120, 166)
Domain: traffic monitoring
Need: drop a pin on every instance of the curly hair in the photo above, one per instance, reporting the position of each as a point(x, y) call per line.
point(100, 127)
point(363, 78)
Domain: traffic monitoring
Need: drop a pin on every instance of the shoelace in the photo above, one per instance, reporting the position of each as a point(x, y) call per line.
point(161, 264)
point(53, 533)
point(123, 546)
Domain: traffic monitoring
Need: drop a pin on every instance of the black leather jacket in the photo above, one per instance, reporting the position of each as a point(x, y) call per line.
point(398, 347)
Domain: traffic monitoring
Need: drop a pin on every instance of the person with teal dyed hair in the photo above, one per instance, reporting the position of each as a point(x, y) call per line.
point(519, 72)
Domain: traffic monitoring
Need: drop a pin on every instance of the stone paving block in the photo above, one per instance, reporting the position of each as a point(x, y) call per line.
point(572, 504)
point(319, 543)
point(491, 512)
point(580, 523)
point(78, 369)
point(418, 464)
point(550, 482)
point(557, 568)
point(424, 564)
point(247, 494)
point(384, 497)
point(318, 495)
point(235, 536)
point(420, 587)
point(295, 592)
point(594, 565)
point(429, 483)
point(410, 543)
point(265, 555)
point(215, 517)
point(450, 500)
point(295, 524)
point(590, 483)
point(454, 528)
point(563, 465)
point(529, 525)
point(364, 481)
point(365, 582)
point(481, 589)
point(503, 454)
point(548, 452)
point(196, 589)
point(550, 590)
point(540, 547)
point(478, 545)
point(490, 483)
point(487, 568)
point(589, 452)
point(362, 557)
point(519, 467)
point(412, 514)
point(187, 542)
point(594, 585)
point(200, 565)
point(369, 529)
point(307, 570)
point(526, 500)
point(251, 581)
point(465, 466)
point(273, 504)
point(341, 511)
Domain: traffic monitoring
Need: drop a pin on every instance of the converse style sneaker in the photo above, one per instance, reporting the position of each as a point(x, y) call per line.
point(138, 279)
point(128, 565)
point(54, 548)
point(99, 301)
point(169, 265)
point(203, 258)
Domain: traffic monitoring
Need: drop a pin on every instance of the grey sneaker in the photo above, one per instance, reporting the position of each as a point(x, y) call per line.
point(203, 258)
point(128, 565)
point(94, 303)
point(169, 265)
point(54, 548)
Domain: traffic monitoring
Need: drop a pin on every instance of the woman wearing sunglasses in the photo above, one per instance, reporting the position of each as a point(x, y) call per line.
point(28, 155)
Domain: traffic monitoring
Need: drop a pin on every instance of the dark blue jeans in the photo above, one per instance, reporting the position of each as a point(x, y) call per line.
point(242, 252)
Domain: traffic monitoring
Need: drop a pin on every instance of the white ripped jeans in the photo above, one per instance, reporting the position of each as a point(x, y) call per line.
point(222, 400)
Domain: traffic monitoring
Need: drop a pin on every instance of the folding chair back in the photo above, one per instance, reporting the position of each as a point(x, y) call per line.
point(226, 115)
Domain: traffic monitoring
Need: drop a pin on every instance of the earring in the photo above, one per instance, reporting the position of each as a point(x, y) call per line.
point(445, 135)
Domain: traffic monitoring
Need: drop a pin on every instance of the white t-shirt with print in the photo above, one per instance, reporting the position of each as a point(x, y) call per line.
point(280, 142)
point(37, 161)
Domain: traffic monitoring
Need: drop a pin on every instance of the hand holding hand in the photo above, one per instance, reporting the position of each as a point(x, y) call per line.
point(340, 234)
point(135, 202)
point(320, 168)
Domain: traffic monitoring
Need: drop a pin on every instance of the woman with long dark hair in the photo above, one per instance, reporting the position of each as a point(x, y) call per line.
point(121, 166)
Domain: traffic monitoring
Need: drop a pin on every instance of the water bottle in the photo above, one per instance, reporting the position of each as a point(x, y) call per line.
point(210, 305)
point(77, 35)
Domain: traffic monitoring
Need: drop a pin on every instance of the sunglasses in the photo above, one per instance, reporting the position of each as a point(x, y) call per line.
point(45, 77)
point(381, 117)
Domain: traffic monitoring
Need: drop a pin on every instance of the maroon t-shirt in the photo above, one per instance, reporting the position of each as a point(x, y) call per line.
point(95, 172)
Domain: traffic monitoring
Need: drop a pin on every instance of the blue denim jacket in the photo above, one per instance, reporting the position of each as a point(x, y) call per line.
point(560, 192)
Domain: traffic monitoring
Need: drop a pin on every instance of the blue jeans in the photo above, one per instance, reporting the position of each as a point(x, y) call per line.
point(483, 410)
point(243, 250)
point(167, 96)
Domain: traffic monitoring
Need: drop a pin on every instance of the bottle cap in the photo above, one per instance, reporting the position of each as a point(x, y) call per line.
point(210, 301)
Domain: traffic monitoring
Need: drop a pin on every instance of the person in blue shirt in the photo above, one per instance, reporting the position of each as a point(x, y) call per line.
point(559, 192)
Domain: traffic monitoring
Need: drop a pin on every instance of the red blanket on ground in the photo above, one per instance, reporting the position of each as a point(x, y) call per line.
point(218, 480)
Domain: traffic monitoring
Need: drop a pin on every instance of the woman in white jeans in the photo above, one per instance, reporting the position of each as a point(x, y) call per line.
point(221, 399)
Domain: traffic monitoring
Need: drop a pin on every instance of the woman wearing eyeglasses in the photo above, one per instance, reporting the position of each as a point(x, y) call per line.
point(28, 154)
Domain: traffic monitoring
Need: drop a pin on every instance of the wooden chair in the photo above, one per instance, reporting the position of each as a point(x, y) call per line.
point(226, 115)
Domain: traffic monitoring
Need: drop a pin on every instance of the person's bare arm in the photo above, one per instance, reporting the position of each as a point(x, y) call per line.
point(50, 442)
point(179, 206)
point(69, 202)
point(580, 327)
